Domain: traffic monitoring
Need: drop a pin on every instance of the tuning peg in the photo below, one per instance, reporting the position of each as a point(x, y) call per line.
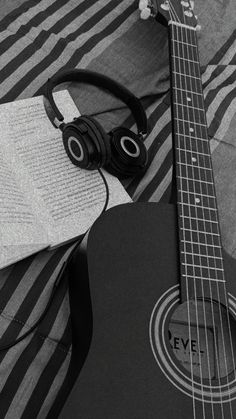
point(143, 4)
point(145, 13)
point(188, 13)
point(147, 9)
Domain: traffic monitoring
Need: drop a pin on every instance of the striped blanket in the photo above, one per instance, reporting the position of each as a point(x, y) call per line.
point(40, 37)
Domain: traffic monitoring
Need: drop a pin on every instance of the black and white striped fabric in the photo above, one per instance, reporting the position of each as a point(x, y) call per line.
point(37, 39)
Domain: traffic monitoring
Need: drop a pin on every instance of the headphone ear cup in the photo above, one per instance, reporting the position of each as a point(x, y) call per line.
point(101, 138)
point(84, 143)
point(78, 147)
point(128, 153)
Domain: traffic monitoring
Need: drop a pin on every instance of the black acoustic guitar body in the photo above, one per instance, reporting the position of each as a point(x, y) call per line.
point(151, 356)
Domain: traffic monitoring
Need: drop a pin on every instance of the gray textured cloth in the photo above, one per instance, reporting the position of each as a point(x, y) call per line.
point(37, 39)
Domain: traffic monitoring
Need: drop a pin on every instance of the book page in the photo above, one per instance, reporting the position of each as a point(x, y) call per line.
point(67, 199)
point(18, 224)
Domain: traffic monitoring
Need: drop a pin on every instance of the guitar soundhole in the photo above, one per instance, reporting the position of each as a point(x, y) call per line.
point(202, 336)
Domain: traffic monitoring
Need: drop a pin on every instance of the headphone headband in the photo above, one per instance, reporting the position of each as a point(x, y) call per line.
point(98, 80)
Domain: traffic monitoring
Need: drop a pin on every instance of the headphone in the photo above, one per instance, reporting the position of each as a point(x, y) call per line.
point(121, 152)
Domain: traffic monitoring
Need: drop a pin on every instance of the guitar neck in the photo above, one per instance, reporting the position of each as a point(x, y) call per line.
point(199, 233)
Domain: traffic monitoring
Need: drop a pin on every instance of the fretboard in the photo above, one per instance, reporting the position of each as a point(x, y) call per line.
point(199, 234)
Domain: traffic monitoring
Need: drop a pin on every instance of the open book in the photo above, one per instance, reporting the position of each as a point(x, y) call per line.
point(45, 200)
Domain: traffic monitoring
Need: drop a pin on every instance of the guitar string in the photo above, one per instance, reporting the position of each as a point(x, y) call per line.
point(214, 259)
point(187, 296)
point(228, 326)
point(203, 130)
point(187, 70)
point(193, 84)
point(196, 210)
point(179, 31)
point(228, 322)
point(224, 286)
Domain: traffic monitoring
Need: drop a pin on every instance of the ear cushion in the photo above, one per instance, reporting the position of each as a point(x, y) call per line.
point(128, 153)
point(100, 138)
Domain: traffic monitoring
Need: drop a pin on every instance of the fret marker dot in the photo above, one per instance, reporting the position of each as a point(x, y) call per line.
point(194, 159)
point(197, 200)
point(188, 99)
point(191, 129)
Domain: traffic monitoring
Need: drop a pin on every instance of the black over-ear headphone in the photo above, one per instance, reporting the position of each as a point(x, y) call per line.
point(121, 151)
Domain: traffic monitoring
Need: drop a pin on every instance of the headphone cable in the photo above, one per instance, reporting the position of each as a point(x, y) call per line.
point(59, 277)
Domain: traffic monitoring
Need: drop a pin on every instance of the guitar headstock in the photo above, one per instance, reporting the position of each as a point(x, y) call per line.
point(179, 11)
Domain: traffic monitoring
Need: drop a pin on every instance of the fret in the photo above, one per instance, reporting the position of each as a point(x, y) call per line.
point(198, 201)
point(189, 128)
point(206, 239)
point(196, 185)
point(184, 133)
point(189, 106)
point(191, 122)
point(189, 113)
point(200, 227)
point(186, 66)
point(198, 180)
point(202, 272)
point(187, 98)
point(193, 199)
point(194, 211)
point(211, 262)
point(181, 25)
point(190, 137)
point(197, 259)
point(193, 131)
point(208, 279)
point(195, 152)
point(194, 167)
point(186, 75)
point(198, 219)
point(203, 249)
point(193, 193)
point(189, 144)
point(186, 159)
point(184, 43)
point(201, 266)
point(192, 144)
point(187, 172)
point(179, 49)
point(199, 224)
point(194, 158)
point(199, 231)
point(196, 205)
point(202, 244)
point(201, 256)
point(187, 83)
point(188, 91)
point(184, 59)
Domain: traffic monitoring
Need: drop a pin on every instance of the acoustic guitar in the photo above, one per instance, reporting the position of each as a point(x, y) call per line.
point(162, 289)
